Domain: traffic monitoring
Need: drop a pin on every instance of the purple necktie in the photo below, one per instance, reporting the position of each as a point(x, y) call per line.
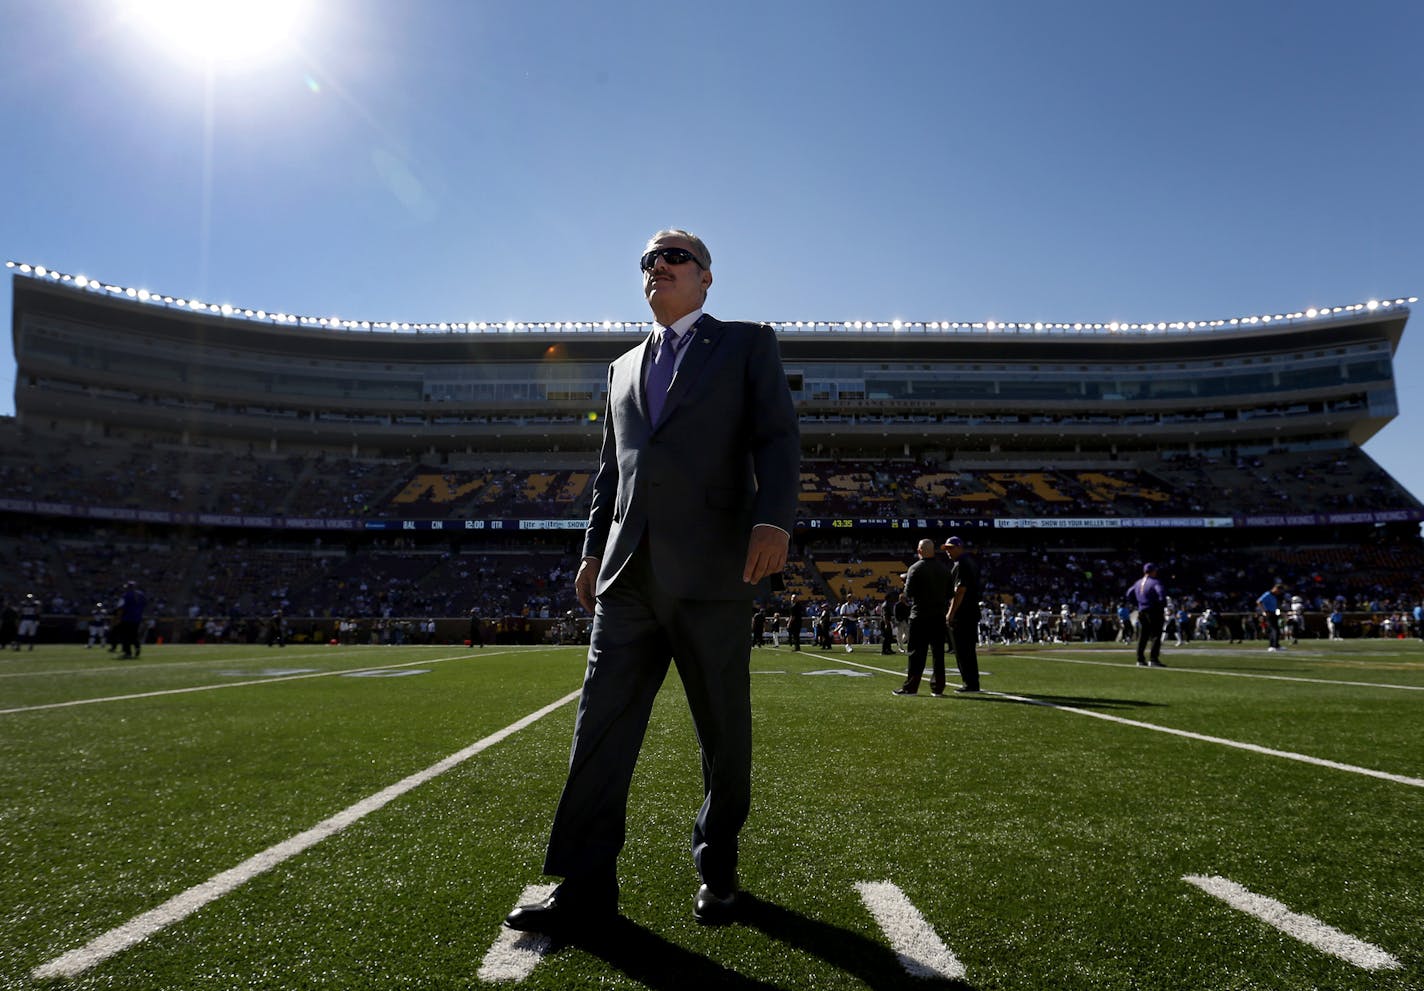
point(660, 372)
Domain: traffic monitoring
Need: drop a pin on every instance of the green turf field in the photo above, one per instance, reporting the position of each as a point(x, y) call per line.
point(1043, 845)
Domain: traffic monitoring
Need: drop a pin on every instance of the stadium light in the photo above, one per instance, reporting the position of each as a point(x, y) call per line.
point(864, 326)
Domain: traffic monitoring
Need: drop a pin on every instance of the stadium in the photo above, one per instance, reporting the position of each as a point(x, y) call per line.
point(399, 508)
point(236, 461)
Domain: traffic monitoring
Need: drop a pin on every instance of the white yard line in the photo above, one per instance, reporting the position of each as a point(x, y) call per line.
point(105, 667)
point(1308, 930)
point(1224, 674)
point(922, 953)
point(514, 955)
point(1202, 737)
point(179, 907)
point(871, 667)
point(244, 684)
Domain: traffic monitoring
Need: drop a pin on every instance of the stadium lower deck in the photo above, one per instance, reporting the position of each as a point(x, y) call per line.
point(221, 541)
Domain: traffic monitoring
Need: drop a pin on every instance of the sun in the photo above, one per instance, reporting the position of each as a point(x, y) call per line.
point(219, 31)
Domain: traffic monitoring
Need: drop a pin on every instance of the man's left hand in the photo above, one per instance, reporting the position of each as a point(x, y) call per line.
point(766, 553)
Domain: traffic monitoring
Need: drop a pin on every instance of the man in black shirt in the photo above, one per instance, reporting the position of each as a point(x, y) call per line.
point(824, 620)
point(963, 614)
point(927, 587)
point(1151, 600)
point(797, 616)
point(887, 622)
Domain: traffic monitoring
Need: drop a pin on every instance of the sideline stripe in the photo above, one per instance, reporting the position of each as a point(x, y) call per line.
point(245, 684)
point(1201, 737)
point(1224, 674)
point(871, 667)
point(104, 667)
point(1309, 930)
point(514, 955)
point(922, 953)
point(179, 907)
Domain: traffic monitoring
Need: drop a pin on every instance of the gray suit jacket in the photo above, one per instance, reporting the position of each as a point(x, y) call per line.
point(725, 457)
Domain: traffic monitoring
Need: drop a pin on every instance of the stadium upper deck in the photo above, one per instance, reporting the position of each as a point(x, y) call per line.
point(103, 360)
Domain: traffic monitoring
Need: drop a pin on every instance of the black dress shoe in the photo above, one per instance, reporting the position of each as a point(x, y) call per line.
point(712, 909)
point(562, 915)
point(965, 689)
point(903, 691)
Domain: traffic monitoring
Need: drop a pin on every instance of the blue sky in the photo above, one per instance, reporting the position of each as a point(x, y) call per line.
point(466, 160)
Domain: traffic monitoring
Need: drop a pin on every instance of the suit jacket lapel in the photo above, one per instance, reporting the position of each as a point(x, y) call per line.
point(640, 384)
point(706, 334)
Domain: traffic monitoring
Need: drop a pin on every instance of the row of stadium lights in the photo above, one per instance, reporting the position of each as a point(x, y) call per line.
point(510, 326)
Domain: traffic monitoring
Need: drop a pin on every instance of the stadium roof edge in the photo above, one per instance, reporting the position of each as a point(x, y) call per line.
point(1313, 317)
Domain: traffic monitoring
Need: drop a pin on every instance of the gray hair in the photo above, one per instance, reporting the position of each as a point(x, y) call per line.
point(704, 257)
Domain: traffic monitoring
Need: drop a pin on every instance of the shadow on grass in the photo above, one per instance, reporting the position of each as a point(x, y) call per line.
point(1072, 701)
point(653, 961)
point(872, 962)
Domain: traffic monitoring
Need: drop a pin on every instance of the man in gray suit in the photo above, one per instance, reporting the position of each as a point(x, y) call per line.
point(692, 508)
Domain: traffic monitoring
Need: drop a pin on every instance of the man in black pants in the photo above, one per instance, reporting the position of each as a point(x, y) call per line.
point(927, 589)
point(1151, 600)
point(1270, 603)
point(797, 616)
point(887, 622)
point(131, 607)
point(963, 615)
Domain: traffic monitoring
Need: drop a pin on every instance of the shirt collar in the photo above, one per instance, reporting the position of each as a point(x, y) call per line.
point(684, 323)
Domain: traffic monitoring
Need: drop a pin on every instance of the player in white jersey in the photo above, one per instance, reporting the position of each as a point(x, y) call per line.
point(1295, 622)
point(29, 621)
point(98, 626)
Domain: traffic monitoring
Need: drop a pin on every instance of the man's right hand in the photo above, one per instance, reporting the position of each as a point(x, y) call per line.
point(586, 582)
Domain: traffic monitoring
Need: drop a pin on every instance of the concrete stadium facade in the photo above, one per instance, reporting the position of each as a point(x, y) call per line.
point(97, 362)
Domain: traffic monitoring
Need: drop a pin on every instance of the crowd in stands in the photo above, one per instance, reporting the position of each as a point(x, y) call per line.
point(1283, 483)
point(201, 480)
point(242, 577)
point(341, 488)
point(433, 493)
point(383, 582)
point(1325, 482)
point(95, 572)
point(1379, 581)
point(1115, 492)
point(250, 572)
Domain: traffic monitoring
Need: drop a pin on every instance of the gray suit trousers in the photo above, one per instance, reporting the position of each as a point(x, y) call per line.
point(637, 630)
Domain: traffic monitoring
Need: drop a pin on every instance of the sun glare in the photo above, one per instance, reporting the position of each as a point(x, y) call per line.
point(219, 31)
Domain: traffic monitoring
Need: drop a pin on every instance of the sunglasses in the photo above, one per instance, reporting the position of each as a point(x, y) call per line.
point(673, 256)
